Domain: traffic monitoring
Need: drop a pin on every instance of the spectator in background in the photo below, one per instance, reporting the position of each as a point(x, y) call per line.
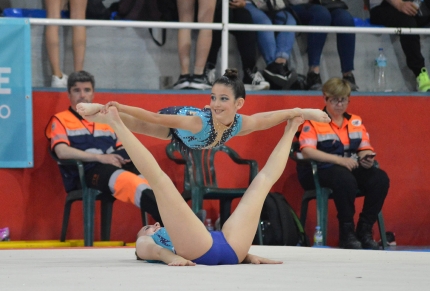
point(345, 160)
point(77, 11)
point(246, 44)
point(275, 47)
point(318, 15)
point(205, 13)
point(107, 165)
point(398, 13)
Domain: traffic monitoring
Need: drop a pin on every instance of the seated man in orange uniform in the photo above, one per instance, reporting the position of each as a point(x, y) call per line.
point(107, 165)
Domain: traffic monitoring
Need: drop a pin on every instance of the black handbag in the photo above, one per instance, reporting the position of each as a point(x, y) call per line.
point(332, 4)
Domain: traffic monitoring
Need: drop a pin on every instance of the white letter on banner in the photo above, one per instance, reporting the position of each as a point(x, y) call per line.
point(4, 113)
point(5, 80)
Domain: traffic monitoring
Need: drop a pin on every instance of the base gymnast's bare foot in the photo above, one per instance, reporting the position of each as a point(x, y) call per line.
point(88, 108)
point(315, 114)
point(111, 116)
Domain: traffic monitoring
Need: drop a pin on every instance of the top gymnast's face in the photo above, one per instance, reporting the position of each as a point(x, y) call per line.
point(223, 104)
point(149, 229)
point(81, 92)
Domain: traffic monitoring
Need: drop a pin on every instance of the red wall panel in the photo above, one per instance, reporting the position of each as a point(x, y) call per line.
point(32, 199)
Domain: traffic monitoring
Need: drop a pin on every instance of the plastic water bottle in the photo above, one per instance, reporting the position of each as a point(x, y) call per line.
point(318, 237)
point(4, 234)
point(209, 225)
point(418, 4)
point(380, 67)
point(218, 223)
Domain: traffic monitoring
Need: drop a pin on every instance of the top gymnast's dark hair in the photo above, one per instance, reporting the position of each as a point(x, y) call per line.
point(231, 79)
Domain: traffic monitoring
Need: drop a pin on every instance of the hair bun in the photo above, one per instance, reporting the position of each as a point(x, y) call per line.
point(232, 74)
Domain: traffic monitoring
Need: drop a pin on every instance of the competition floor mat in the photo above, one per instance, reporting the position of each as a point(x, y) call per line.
point(116, 268)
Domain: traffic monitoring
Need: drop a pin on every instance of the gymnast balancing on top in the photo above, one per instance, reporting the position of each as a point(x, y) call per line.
point(208, 127)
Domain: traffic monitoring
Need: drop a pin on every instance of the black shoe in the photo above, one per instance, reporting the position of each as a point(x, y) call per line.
point(391, 239)
point(254, 80)
point(280, 75)
point(347, 237)
point(313, 81)
point(365, 235)
point(200, 82)
point(183, 82)
point(351, 80)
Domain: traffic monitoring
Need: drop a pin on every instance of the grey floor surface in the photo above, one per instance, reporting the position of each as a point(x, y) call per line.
point(303, 269)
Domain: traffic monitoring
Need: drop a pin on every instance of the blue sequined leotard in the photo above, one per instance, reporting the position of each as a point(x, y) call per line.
point(212, 134)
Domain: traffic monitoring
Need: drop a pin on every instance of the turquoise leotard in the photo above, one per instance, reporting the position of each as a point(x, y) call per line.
point(210, 136)
point(162, 238)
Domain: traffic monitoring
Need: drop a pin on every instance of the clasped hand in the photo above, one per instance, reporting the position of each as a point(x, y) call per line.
point(408, 8)
point(113, 159)
point(352, 164)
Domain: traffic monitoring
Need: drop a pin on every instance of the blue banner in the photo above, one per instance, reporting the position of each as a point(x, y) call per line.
point(16, 117)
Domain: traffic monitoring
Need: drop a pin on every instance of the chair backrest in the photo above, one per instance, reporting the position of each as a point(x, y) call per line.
point(297, 156)
point(203, 169)
point(80, 166)
point(200, 169)
point(200, 164)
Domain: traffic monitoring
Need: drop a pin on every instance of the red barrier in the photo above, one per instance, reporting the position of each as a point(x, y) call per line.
point(32, 199)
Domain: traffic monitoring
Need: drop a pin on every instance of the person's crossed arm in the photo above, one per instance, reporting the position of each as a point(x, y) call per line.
point(406, 7)
point(66, 152)
point(237, 4)
point(60, 144)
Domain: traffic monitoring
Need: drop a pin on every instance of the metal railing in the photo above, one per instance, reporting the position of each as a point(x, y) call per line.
point(225, 26)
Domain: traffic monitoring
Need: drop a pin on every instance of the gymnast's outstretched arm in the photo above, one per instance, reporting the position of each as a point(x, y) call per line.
point(134, 124)
point(147, 249)
point(266, 120)
point(190, 123)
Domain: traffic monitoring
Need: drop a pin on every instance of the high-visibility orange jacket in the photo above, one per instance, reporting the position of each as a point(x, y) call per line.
point(345, 140)
point(70, 128)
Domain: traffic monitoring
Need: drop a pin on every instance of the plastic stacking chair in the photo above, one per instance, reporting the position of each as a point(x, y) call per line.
point(88, 196)
point(200, 180)
point(106, 211)
point(322, 194)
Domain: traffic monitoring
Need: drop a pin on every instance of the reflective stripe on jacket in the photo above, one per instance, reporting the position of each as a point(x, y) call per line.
point(328, 141)
point(324, 138)
point(102, 140)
